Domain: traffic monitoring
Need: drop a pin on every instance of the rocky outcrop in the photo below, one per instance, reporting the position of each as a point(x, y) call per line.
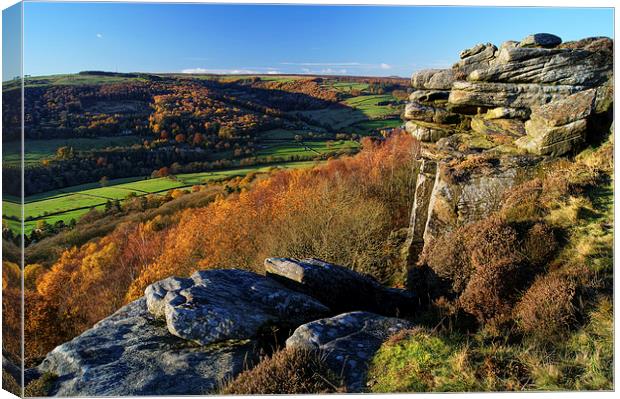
point(469, 190)
point(218, 305)
point(490, 118)
point(456, 192)
point(348, 342)
point(507, 85)
point(558, 127)
point(341, 289)
point(189, 335)
point(133, 353)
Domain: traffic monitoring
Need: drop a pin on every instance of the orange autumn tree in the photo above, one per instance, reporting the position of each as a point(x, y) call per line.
point(85, 285)
point(343, 211)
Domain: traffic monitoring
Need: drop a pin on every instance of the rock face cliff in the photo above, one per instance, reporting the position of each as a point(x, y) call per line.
point(496, 118)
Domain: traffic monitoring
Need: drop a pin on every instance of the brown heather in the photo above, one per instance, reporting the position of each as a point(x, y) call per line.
point(287, 372)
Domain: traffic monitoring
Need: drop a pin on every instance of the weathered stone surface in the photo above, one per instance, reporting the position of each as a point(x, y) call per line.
point(511, 127)
point(419, 213)
point(561, 126)
point(131, 353)
point(474, 50)
point(427, 113)
point(428, 132)
point(541, 40)
point(599, 44)
point(429, 95)
point(341, 289)
point(547, 66)
point(348, 341)
point(572, 108)
point(554, 141)
point(480, 60)
point(433, 79)
point(513, 95)
point(475, 193)
point(604, 100)
point(218, 305)
point(509, 44)
point(507, 113)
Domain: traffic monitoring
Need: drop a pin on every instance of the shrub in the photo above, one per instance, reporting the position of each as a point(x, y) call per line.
point(546, 309)
point(287, 372)
point(490, 292)
point(521, 203)
point(10, 384)
point(448, 257)
point(41, 386)
point(488, 262)
point(539, 244)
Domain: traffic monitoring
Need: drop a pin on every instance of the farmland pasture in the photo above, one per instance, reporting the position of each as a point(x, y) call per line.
point(73, 202)
point(37, 150)
point(354, 110)
point(369, 105)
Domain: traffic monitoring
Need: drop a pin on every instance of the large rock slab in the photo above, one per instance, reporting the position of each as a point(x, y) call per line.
point(509, 127)
point(419, 213)
point(559, 127)
point(577, 106)
point(512, 95)
point(219, 305)
point(554, 141)
point(341, 289)
point(131, 353)
point(541, 40)
point(428, 132)
point(478, 48)
point(469, 190)
point(428, 113)
point(348, 341)
point(547, 66)
point(433, 79)
point(481, 59)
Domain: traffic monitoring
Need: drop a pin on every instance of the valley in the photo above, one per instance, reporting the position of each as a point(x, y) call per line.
point(96, 137)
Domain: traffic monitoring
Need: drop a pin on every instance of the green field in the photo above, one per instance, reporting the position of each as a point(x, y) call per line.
point(284, 149)
point(367, 127)
point(37, 150)
point(73, 202)
point(348, 86)
point(369, 105)
point(335, 117)
point(354, 110)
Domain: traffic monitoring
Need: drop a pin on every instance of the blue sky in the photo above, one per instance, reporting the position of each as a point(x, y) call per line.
point(355, 40)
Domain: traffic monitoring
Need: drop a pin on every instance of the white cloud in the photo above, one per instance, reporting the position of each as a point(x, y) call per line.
point(332, 71)
point(385, 66)
point(326, 64)
point(99, 36)
point(234, 71)
point(195, 70)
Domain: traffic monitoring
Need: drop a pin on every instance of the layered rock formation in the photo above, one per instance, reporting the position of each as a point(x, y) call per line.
point(495, 118)
point(506, 85)
point(190, 335)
